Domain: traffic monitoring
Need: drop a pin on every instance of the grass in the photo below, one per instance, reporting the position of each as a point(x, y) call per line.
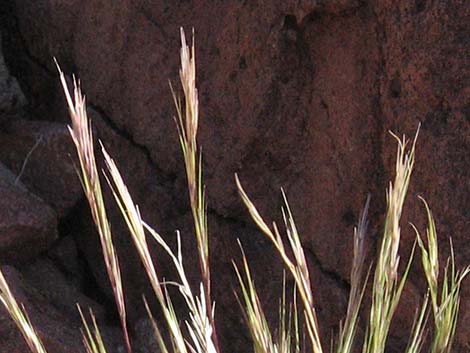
point(445, 307)
point(20, 317)
point(196, 332)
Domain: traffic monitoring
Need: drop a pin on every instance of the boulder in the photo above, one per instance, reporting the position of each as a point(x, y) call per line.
point(65, 255)
point(12, 99)
point(64, 294)
point(43, 156)
point(28, 226)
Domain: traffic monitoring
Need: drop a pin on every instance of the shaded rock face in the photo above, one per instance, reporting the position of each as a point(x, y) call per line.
point(28, 226)
point(12, 99)
point(41, 153)
point(293, 94)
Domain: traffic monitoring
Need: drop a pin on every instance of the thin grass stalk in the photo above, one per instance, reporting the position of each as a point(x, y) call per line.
point(298, 267)
point(417, 338)
point(131, 214)
point(445, 306)
point(20, 317)
point(135, 224)
point(82, 136)
point(287, 338)
point(91, 337)
point(156, 330)
point(387, 288)
point(187, 122)
point(199, 326)
point(358, 284)
point(302, 273)
point(254, 315)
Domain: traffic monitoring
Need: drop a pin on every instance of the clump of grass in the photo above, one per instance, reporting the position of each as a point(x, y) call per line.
point(386, 289)
point(196, 333)
point(297, 266)
point(200, 325)
point(287, 340)
point(445, 307)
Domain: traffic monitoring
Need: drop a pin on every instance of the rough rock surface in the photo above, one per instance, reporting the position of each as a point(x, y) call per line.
point(43, 155)
point(293, 94)
point(64, 295)
point(12, 99)
point(65, 255)
point(28, 226)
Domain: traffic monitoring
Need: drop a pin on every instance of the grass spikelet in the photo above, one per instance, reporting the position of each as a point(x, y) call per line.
point(187, 122)
point(91, 337)
point(82, 137)
point(348, 330)
point(387, 288)
point(253, 311)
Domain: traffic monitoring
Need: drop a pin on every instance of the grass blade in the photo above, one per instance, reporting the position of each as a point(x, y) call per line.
point(20, 317)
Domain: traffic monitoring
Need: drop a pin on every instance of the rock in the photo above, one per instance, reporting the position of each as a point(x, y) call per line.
point(12, 99)
point(27, 225)
point(9, 177)
point(293, 94)
point(65, 255)
point(43, 155)
point(64, 294)
point(144, 340)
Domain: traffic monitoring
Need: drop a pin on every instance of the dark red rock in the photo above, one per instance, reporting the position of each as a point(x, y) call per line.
point(28, 226)
point(145, 341)
point(65, 255)
point(12, 99)
point(43, 155)
point(64, 294)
